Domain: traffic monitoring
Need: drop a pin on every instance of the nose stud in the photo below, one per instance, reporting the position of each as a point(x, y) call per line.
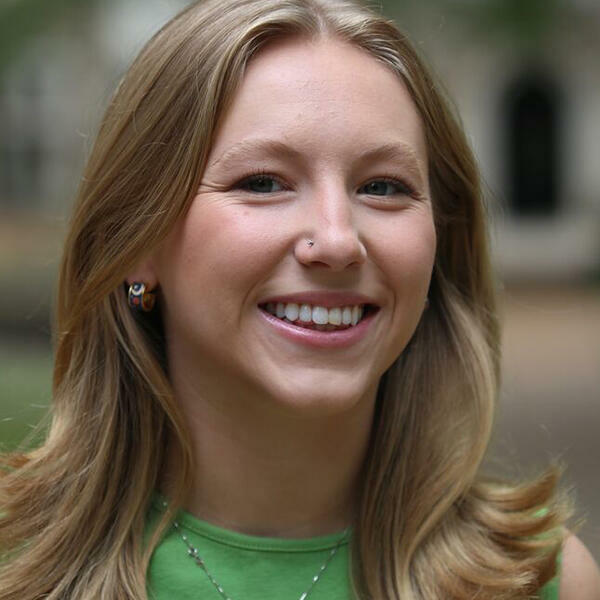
point(310, 243)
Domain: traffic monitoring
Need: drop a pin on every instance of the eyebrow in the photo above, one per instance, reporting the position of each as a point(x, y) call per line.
point(396, 151)
point(265, 147)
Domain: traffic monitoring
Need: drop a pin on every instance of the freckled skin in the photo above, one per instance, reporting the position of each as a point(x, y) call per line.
point(328, 102)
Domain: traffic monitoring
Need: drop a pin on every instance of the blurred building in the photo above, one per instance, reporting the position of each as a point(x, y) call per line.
point(525, 77)
point(54, 90)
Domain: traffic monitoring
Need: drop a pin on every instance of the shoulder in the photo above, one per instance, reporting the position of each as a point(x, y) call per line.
point(580, 577)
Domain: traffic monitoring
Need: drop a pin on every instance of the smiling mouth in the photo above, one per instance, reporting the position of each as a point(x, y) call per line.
point(319, 318)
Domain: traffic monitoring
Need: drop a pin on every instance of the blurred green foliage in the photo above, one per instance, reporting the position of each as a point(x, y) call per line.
point(23, 20)
point(526, 22)
point(25, 391)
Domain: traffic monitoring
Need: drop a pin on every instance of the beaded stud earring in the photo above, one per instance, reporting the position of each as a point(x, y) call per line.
point(139, 299)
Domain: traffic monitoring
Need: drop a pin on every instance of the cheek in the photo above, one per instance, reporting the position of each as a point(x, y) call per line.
point(238, 248)
point(218, 251)
point(407, 249)
point(409, 256)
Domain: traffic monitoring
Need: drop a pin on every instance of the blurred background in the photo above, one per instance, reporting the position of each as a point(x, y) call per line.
point(524, 77)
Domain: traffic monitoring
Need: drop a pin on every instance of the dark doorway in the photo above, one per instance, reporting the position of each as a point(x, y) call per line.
point(532, 113)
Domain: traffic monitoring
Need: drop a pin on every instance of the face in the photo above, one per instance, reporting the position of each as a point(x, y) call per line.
point(314, 206)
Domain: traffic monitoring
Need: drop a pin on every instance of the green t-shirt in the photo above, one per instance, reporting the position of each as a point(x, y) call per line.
point(251, 567)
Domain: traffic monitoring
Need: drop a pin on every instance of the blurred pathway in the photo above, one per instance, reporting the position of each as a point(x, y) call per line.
point(550, 405)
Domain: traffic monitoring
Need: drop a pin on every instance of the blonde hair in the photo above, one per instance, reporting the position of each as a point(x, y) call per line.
point(429, 527)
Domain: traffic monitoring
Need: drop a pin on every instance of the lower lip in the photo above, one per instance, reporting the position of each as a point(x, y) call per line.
point(321, 339)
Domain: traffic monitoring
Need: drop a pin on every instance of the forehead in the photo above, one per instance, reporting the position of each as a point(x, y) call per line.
point(321, 92)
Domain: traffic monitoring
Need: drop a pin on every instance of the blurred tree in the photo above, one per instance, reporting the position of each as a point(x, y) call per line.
point(22, 20)
point(527, 23)
point(524, 22)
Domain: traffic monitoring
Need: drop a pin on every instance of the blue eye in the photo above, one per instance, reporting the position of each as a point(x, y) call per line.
point(384, 187)
point(261, 184)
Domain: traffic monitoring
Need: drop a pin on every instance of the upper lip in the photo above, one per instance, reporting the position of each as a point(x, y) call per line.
point(327, 299)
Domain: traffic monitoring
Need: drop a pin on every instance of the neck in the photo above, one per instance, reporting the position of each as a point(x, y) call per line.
point(270, 472)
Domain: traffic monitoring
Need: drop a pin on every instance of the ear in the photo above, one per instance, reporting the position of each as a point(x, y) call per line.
point(144, 272)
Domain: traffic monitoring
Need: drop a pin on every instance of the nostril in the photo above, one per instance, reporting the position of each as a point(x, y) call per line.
point(332, 249)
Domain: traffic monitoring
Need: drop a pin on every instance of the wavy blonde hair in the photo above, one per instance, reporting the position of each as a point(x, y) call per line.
point(429, 527)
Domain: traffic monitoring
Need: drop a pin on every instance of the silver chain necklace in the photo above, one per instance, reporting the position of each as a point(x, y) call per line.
point(193, 553)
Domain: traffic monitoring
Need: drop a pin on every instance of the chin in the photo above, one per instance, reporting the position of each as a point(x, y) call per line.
point(323, 396)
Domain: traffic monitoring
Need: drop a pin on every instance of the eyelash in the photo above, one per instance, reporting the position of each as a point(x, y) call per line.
point(261, 173)
point(408, 189)
point(258, 174)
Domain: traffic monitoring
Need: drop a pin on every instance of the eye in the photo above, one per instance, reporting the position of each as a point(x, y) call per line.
point(385, 187)
point(261, 184)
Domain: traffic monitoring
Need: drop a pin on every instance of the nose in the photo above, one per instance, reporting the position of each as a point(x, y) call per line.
point(330, 234)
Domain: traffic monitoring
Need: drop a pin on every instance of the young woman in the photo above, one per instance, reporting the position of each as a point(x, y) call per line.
point(276, 343)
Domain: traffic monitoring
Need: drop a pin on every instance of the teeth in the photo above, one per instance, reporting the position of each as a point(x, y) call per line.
point(291, 311)
point(335, 316)
point(279, 310)
point(347, 315)
point(320, 315)
point(317, 315)
point(305, 313)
